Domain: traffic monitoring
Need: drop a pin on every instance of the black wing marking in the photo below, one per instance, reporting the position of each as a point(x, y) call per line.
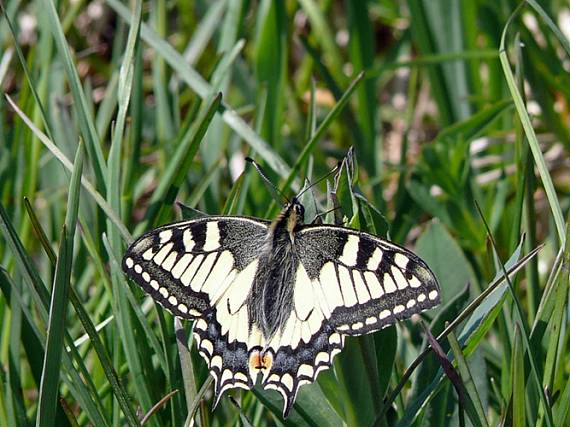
point(187, 265)
point(366, 283)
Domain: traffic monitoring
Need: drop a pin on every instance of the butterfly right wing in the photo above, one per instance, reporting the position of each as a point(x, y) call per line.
point(365, 283)
point(203, 270)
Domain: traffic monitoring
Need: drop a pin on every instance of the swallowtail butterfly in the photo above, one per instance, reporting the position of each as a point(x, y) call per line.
point(276, 300)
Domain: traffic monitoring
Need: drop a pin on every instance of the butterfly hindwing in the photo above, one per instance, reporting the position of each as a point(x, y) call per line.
point(366, 283)
point(227, 359)
point(300, 356)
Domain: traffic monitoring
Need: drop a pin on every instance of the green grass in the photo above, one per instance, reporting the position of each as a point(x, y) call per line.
point(458, 115)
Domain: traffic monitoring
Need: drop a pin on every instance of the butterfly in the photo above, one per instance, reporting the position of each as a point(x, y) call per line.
point(274, 301)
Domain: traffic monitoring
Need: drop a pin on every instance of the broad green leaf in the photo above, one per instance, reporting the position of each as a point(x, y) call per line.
point(440, 251)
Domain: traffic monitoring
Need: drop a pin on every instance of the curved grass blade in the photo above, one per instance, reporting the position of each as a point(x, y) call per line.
point(529, 132)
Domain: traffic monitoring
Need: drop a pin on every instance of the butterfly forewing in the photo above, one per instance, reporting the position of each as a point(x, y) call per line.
point(184, 266)
point(366, 283)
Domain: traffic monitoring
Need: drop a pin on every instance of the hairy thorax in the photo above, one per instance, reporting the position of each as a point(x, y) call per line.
point(271, 296)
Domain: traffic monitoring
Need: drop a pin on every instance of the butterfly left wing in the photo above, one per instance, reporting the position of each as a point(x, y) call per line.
point(366, 283)
point(203, 270)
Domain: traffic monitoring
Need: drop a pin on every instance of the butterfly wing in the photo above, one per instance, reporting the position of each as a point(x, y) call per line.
point(203, 270)
point(347, 283)
point(365, 283)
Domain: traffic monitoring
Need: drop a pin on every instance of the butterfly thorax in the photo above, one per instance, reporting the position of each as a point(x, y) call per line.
point(270, 301)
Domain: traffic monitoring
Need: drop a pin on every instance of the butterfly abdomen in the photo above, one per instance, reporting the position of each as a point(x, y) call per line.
point(271, 299)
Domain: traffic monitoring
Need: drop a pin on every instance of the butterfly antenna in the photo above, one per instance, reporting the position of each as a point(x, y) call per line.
point(321, 179)
point(322, 214)
point(275, 192)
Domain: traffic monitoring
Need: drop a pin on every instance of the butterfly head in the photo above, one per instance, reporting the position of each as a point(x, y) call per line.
point(295, 214)
point(291, 217)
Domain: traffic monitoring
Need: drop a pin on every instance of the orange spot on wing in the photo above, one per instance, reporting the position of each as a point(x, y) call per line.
point(267, 360)
point(260, 361)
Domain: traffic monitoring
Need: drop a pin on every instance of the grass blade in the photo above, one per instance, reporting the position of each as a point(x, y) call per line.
point(54, 342)
point(58, 305)
point(530, 134)
point(86, 123)
point(69, 166)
